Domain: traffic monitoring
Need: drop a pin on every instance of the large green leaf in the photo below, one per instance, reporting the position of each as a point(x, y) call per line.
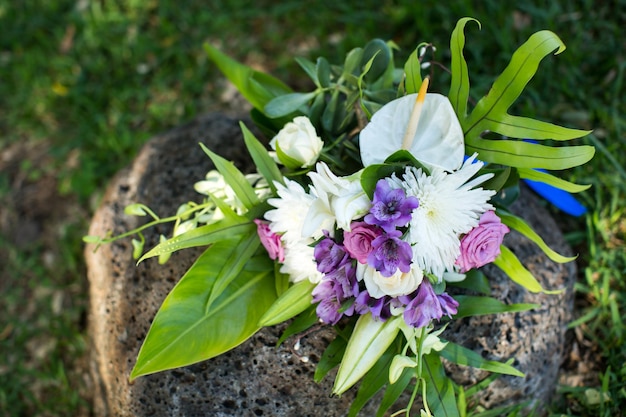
point(331, 357)
point(491, 114)
point(257, 87)
point(439, 387)
point(463, 356)
point(187, 330)
point(521, 226)
point(287, 104)
point(370, 339)
point(459, 82)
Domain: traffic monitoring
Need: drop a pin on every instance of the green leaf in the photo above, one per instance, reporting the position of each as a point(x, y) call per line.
point(289, 304)
point(394, 391)
point(231, 265)
point(522, 154)
point(373, 173)
point(508, 262)
point(510, 84)
point(301, 323)
point(459, 82)
point(370, 339)
point(288, 104)
point(331, 357)
point(257, 87)
point(463, 356)
point(186, 330)
point(201, 236)
point(412, 73)
point(377, 55)
point(475, 280)
point(322, 68)
point(233, 177)
point(521, 226)
point(534, 175)
point(439, 388)
point(352, 62)
point(373, 381)
point(309, 68)
point(472, 305)
point(527, 128)
point(264, 163)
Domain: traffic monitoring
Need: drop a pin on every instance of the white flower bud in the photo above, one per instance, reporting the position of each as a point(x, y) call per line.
point(297, 144)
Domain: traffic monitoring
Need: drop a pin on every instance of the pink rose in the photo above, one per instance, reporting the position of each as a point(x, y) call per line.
point(358, 241)
point(270, 240)
point(482, 244)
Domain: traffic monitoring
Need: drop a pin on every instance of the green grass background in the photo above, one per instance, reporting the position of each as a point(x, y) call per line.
point(91, 81)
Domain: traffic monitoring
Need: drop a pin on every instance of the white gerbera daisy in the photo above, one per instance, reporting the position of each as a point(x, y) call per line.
point(288, 218)
point(449, 206)
point(300, 263)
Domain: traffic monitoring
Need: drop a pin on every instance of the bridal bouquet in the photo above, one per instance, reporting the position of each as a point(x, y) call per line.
point(373, 196)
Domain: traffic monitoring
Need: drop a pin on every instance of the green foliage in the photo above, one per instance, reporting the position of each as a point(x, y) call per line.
point(211, 307)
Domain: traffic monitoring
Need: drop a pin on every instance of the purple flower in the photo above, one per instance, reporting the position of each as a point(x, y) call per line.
point(358, 241)
point(270, 241)
point(482, 244)
point(390, 253)
point(329, 255)
point(426, 306)
point(391, 208)
point(379, 307)
point(337, 286)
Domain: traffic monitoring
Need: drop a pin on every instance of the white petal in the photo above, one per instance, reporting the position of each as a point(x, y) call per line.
point(438, 141)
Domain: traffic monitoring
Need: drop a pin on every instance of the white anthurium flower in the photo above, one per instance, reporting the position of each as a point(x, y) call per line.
point(438, 141)
point(299, 142)
point(398, 284)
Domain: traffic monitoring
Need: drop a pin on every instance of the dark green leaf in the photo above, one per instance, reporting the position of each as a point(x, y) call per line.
point(330, 358)
point(288, 104)
point(471, 305)
point(439, 388)
point(301, 323)
point(322, 68)
point(309, 68)
point(379, 53)
point(373, 173)
point(394, 391)
point(413, 73)
point(372, 382)
point(475, 280)
point(463, 356)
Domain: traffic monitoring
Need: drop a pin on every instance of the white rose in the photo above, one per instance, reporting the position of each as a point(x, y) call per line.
point(398, 284)
point(297, 144)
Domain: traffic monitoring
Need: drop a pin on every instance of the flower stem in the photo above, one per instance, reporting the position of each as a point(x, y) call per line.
point(407, 141)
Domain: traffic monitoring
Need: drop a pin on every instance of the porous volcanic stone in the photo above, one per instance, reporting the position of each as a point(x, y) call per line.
point(257, 379)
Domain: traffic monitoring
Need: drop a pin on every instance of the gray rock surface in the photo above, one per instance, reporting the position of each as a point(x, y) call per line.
point(256, 378)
